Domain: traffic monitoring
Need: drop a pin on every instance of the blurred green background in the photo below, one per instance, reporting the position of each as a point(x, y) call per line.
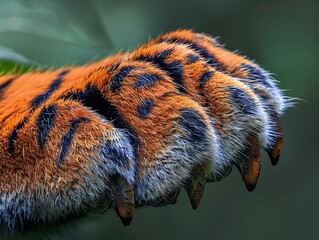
point(283, 37)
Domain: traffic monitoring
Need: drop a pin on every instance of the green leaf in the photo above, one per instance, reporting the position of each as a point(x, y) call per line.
point(56, 20)
point(14, 68)
point(14, 63)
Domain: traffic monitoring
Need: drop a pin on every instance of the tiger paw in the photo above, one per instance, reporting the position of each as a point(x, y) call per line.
point(134, 129)
point(63, 159)
point(240, 87)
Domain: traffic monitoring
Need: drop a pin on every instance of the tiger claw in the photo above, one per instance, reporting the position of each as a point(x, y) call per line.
point(196, 185)
point(122, 195)
point(102, 205)
point(221, 175)
point(171, 199)
point(250, 167)
point(275, 150)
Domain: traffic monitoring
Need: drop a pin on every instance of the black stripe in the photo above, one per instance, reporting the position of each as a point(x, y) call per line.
point(93, 98)
point(114, 66)
point(174, 69)
point(143, 80)
point(14, 134)
point(145, 108)
point(211, 60)
point(45, 122)
point(256, 74)
point(4, 85)
point(202, 80)
point(191, 58)
point(116, 81)
point(38, 100)
point(68, 137)
point(194, 125)
point(243, 102)
point(205, 77)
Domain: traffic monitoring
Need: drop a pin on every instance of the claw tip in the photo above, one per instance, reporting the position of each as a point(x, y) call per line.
point(274, 158)
point(251, 187)
point(195, 197)
point(195, 203)
point(126, 220)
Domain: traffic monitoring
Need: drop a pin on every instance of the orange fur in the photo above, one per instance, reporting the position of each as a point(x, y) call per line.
point(135, 127)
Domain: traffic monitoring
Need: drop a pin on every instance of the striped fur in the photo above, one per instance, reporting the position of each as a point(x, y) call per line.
point(149, 118)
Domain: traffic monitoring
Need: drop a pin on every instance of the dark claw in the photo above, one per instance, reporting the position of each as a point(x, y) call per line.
point(220, 176)
point(171, 199)
point(122, 195)
point(126, 220)
point(196, 185)
point(101, 205)
point(250, 167)
point(274, 152)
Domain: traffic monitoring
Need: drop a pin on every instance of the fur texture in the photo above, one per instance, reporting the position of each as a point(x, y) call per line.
point(149, 117)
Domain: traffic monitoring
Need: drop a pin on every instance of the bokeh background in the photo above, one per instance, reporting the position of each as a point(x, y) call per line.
point(283, 37)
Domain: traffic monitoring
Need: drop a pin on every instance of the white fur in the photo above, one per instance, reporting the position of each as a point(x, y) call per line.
point(233, 142)
point(174, 165)
point(46, 205)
